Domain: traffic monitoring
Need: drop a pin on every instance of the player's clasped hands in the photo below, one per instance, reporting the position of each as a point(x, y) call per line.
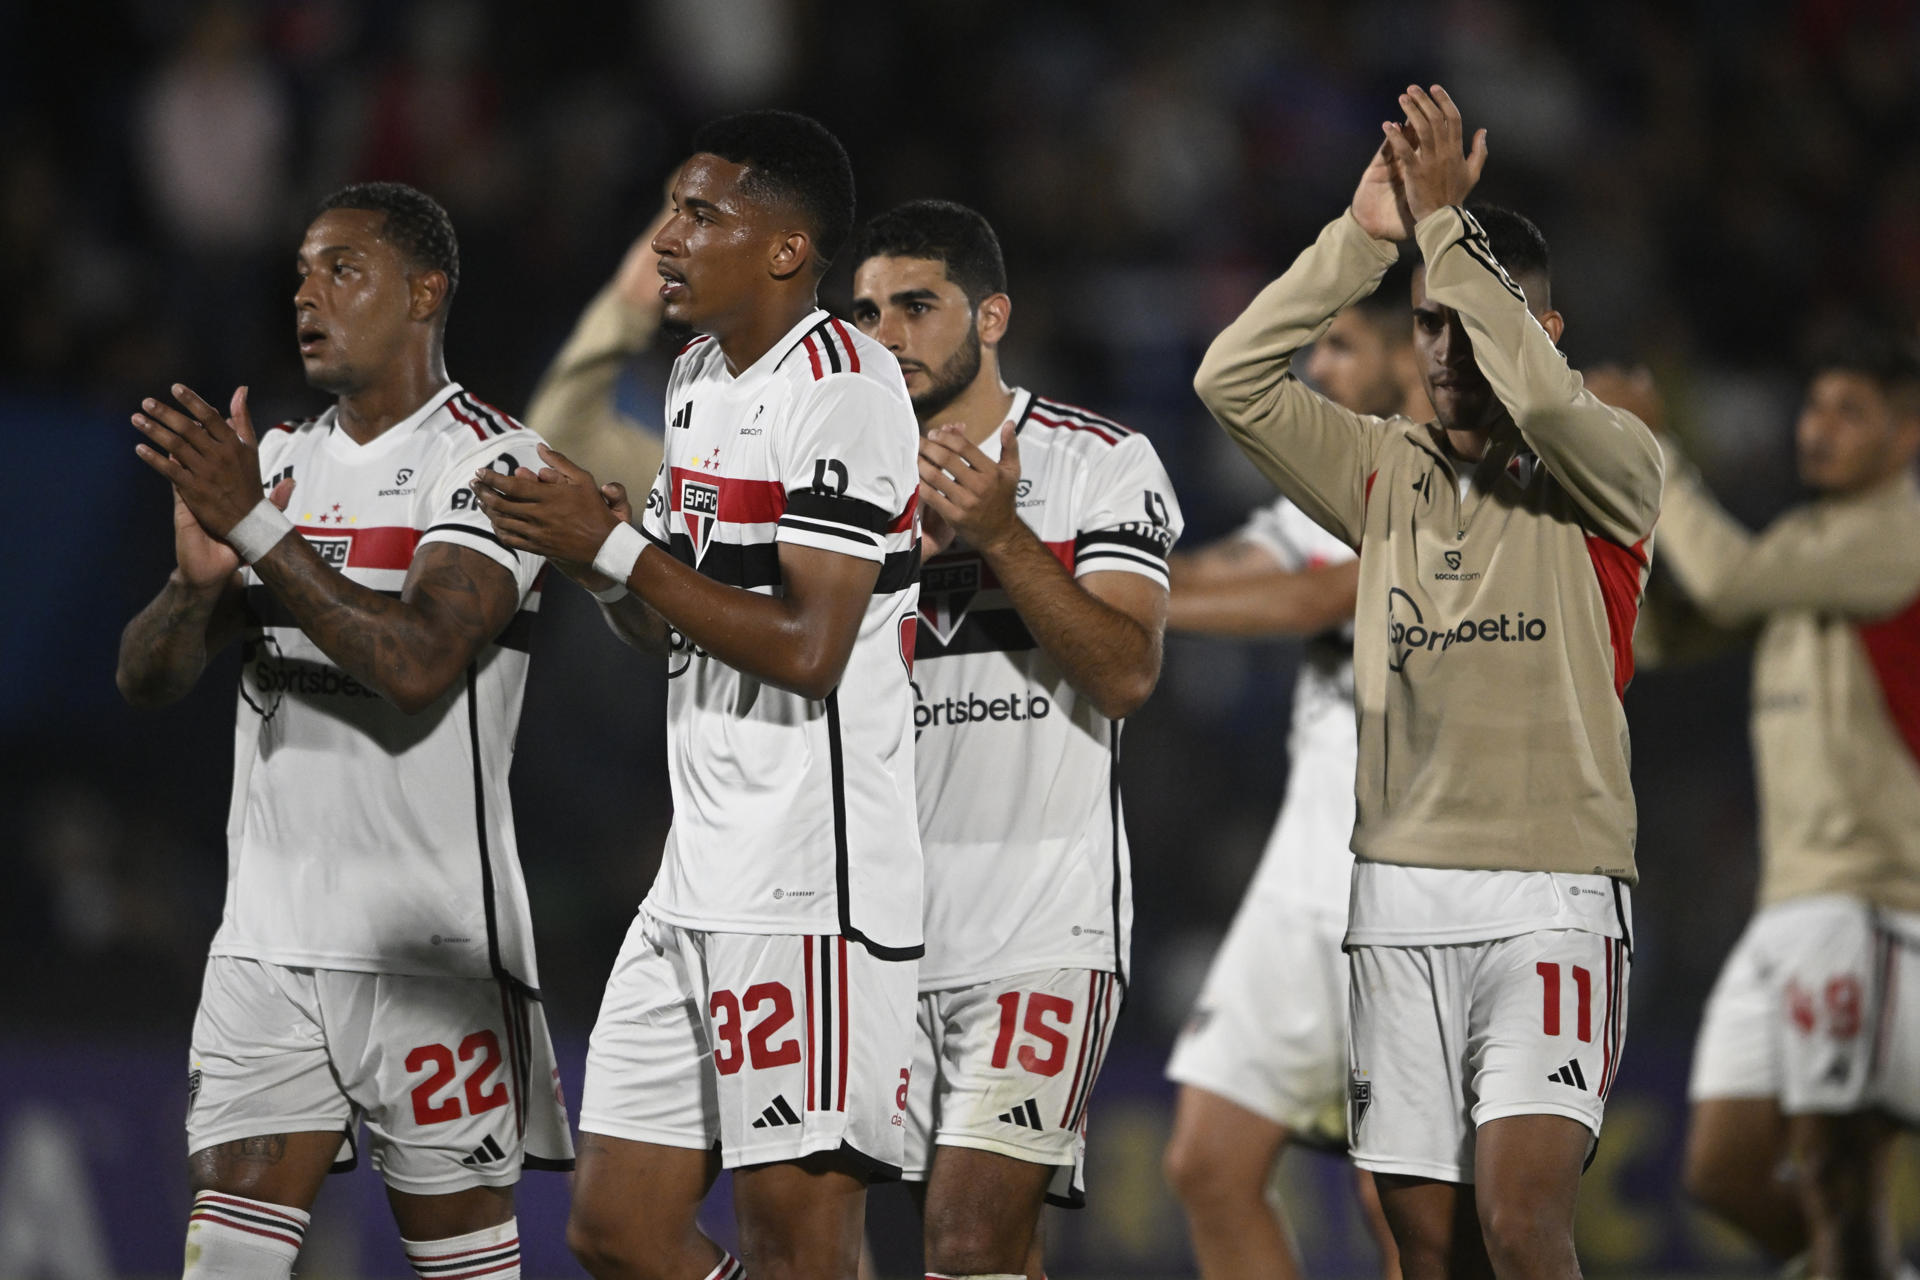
point(1421, 167)
point(967, 491)
point(557, 512)
point(210, 458)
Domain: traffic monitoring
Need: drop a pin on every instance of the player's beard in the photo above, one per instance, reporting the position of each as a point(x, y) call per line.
point(951, 378)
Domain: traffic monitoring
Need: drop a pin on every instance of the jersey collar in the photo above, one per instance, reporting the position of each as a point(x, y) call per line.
point(1017, 415)
point(780, 350)
point(342, 445)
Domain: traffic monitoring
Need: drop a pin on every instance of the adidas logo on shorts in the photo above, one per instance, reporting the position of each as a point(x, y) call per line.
point(486, 1153)
point(1026, 1115)
point(1570, 1074)
point(778, 1113)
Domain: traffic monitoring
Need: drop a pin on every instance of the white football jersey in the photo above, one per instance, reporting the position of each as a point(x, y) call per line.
point(1307, 860)
point(361, 837)
point(791, 815)
point(1027, 864)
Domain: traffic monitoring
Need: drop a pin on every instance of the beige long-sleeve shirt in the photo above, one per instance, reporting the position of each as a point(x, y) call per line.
point(573, 408)
point(1836, 677)
point(1493, 634)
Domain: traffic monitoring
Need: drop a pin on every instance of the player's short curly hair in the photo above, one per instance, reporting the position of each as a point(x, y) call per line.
point(941, 231)
point(415, 223)
point(790, 158)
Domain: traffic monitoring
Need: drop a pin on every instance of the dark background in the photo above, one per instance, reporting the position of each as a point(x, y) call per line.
point(1723, 182)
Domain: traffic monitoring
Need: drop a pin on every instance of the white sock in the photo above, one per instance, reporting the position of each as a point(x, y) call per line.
point(234, 1238)
point(491, 1252)
point(728, 1268)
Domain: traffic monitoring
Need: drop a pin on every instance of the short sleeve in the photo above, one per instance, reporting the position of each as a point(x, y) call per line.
point(847, 463)
point(1266, 528)
point(455, 515)
point(1131, 517)
point(653, 517)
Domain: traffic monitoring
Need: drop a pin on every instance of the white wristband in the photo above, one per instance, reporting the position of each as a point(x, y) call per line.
point(259, 531)
point(618, 591)
point(618, 554)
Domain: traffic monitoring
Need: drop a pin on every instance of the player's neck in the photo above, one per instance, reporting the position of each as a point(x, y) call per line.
point(1469, 443)
point(759, 327)
point(982, 408)
point(367, 414)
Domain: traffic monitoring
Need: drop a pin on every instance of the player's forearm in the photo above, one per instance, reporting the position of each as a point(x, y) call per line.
point(1265, 603)
point(1314, 451)
point(1109, 657)
point(768, 637)
point(1250, 362)
point(403, 651)
point(1606, 458)
point(1851, 563)
point(631, 620)
point(165, 647)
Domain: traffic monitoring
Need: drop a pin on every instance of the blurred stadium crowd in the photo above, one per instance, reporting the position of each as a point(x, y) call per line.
point(1722, 181)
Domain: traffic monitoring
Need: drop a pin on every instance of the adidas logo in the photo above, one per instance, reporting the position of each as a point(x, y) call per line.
point(1570, 1074)
point(779, 1112)
point(1026, 1115)
point(486, 1153)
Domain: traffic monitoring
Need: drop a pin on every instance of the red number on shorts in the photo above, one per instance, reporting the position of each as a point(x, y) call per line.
point(1843, 1006)
point(424, 1110)
point(486, 1044)
point(1009, 1020)
point(1801, 1009)
point(763, 1057)
point(1040, 1006)
point(1550, 999)
point(727, 1053)
point(900, 1098)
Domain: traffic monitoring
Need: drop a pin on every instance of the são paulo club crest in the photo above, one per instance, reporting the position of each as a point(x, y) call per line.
point(699, 508)
point(948, 585)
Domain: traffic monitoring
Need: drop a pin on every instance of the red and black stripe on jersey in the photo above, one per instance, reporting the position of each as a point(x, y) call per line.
point(481, 418)
point(757, 564)
point(829, 349)
point(1070, 417)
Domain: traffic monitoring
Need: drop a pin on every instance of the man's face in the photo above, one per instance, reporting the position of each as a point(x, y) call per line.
point(1850, 436)
point(713, 247)
point(354, 310)
point(1461, 396)
point(910, 307)
point(1352, 365)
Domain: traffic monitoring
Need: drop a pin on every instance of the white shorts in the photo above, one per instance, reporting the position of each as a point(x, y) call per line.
point(1269, 1031)
point(773, 1046)
point(1807, 1007)
point(454, 1077)
point(1447, 1038)
point(1008, 1066)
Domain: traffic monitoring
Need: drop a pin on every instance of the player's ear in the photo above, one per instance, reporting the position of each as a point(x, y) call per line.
point(790, 254)
point(427, 293)
point(1554, 323)
point(991, 317)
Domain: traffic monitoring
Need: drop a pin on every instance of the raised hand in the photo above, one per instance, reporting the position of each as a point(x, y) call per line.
point(966, 489)
point(1430, 167)
point(1379, 206)
point(211, 460)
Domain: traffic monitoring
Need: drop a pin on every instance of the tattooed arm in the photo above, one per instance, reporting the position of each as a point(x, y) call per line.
point(409, 650)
